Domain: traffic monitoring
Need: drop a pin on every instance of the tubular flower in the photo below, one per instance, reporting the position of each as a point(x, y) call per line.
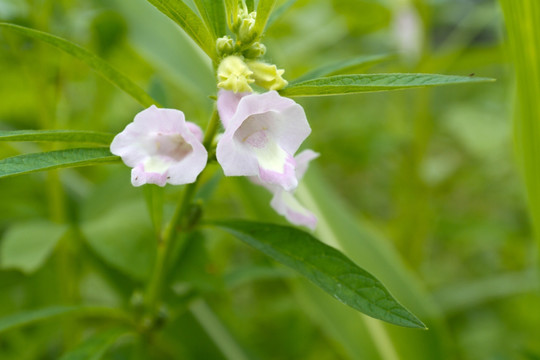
point(285, 203)
point(161, 147)
point(262, 132)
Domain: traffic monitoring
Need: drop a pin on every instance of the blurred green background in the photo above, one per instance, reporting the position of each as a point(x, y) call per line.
point(419, 187)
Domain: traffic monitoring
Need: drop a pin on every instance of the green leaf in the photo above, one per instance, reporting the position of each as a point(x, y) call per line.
point(231, 6)
point(92, 137)
point(521, 18)
point(213, 14)
point(27, 163)
point(324, 266)
point(264, 9)
point(250, 5)
point(96, 346)
point(188, 20)
point(93, 61)
point(357, 64)
point(32, 316)
point(26, 246)
point(123, 236)
point(28, 317)
point(353, 84)
point(279, 12)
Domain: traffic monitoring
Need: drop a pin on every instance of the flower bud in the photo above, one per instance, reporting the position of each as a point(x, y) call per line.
point(246, 33)
point(224, 45)
point(268, 76)
point(234, 75)
point(255, 51)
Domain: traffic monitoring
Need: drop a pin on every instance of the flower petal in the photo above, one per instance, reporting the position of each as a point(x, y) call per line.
point(302, 162)
point(227, 103)
point(286, 204)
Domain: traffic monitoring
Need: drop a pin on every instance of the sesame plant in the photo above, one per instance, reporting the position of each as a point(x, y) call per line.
point(176, 159)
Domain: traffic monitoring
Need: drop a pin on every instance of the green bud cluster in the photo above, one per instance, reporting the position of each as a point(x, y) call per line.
point(239, 66)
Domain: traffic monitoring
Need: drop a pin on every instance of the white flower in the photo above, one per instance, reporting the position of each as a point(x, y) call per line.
point(262, 133)
point(161, 147)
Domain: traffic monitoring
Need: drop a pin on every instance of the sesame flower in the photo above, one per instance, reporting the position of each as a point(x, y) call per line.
point(285, 203)
point(262, 133)
point(161, 147)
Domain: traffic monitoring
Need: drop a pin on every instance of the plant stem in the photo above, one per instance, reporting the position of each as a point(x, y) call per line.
point(172, 228)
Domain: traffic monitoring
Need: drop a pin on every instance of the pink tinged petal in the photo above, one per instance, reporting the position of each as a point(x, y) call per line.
point(195, 130)
point(272, 171)
point(286, 204)
point(140, 177)
point(261, 137)
point(161, 147)
point(227, 103)
point(302, 162)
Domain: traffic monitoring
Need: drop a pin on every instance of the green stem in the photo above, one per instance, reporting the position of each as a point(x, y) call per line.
point(211, 130)
point(172, 228)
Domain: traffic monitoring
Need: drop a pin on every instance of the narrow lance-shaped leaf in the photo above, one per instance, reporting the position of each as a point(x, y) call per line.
point(231, 7)
point(79, 136)
point(357, 64)
point(188, 20)
point(250, 4)
point(95, 347)
point(324, 266)
point(93, 61)
point(264, 9)
point(32, 316)
point(353, 84)
point(279, 12)
point(213, 14)
point(27, 163)
point(521, 19)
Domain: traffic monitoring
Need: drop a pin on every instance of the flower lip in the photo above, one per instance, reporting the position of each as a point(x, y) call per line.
point(284, 202)
point(161, 147)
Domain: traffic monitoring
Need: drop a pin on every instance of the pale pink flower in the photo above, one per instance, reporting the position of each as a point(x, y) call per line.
point(284, 202)
point(161, 147)
point(262, 133)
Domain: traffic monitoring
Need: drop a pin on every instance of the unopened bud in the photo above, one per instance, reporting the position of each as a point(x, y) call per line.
point(255, 51)
point(246, 33)
point(234, 75)
point(267, 76)
point(224, 45)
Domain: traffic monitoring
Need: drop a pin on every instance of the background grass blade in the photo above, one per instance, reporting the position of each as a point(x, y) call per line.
point(352, 84)
point(325, 266)
point(355, 64)
point(213, 14)
point(80, 136)
point(188, 20)
point(521, 19)
point(90, 59)
point(95, 347)
point(264, 9)
point(217, 331)
point(27, 163)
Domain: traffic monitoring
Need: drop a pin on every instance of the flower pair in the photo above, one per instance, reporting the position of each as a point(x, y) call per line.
point(262, 134)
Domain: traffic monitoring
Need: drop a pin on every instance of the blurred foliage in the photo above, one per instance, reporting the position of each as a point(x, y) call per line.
point(426, 181)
